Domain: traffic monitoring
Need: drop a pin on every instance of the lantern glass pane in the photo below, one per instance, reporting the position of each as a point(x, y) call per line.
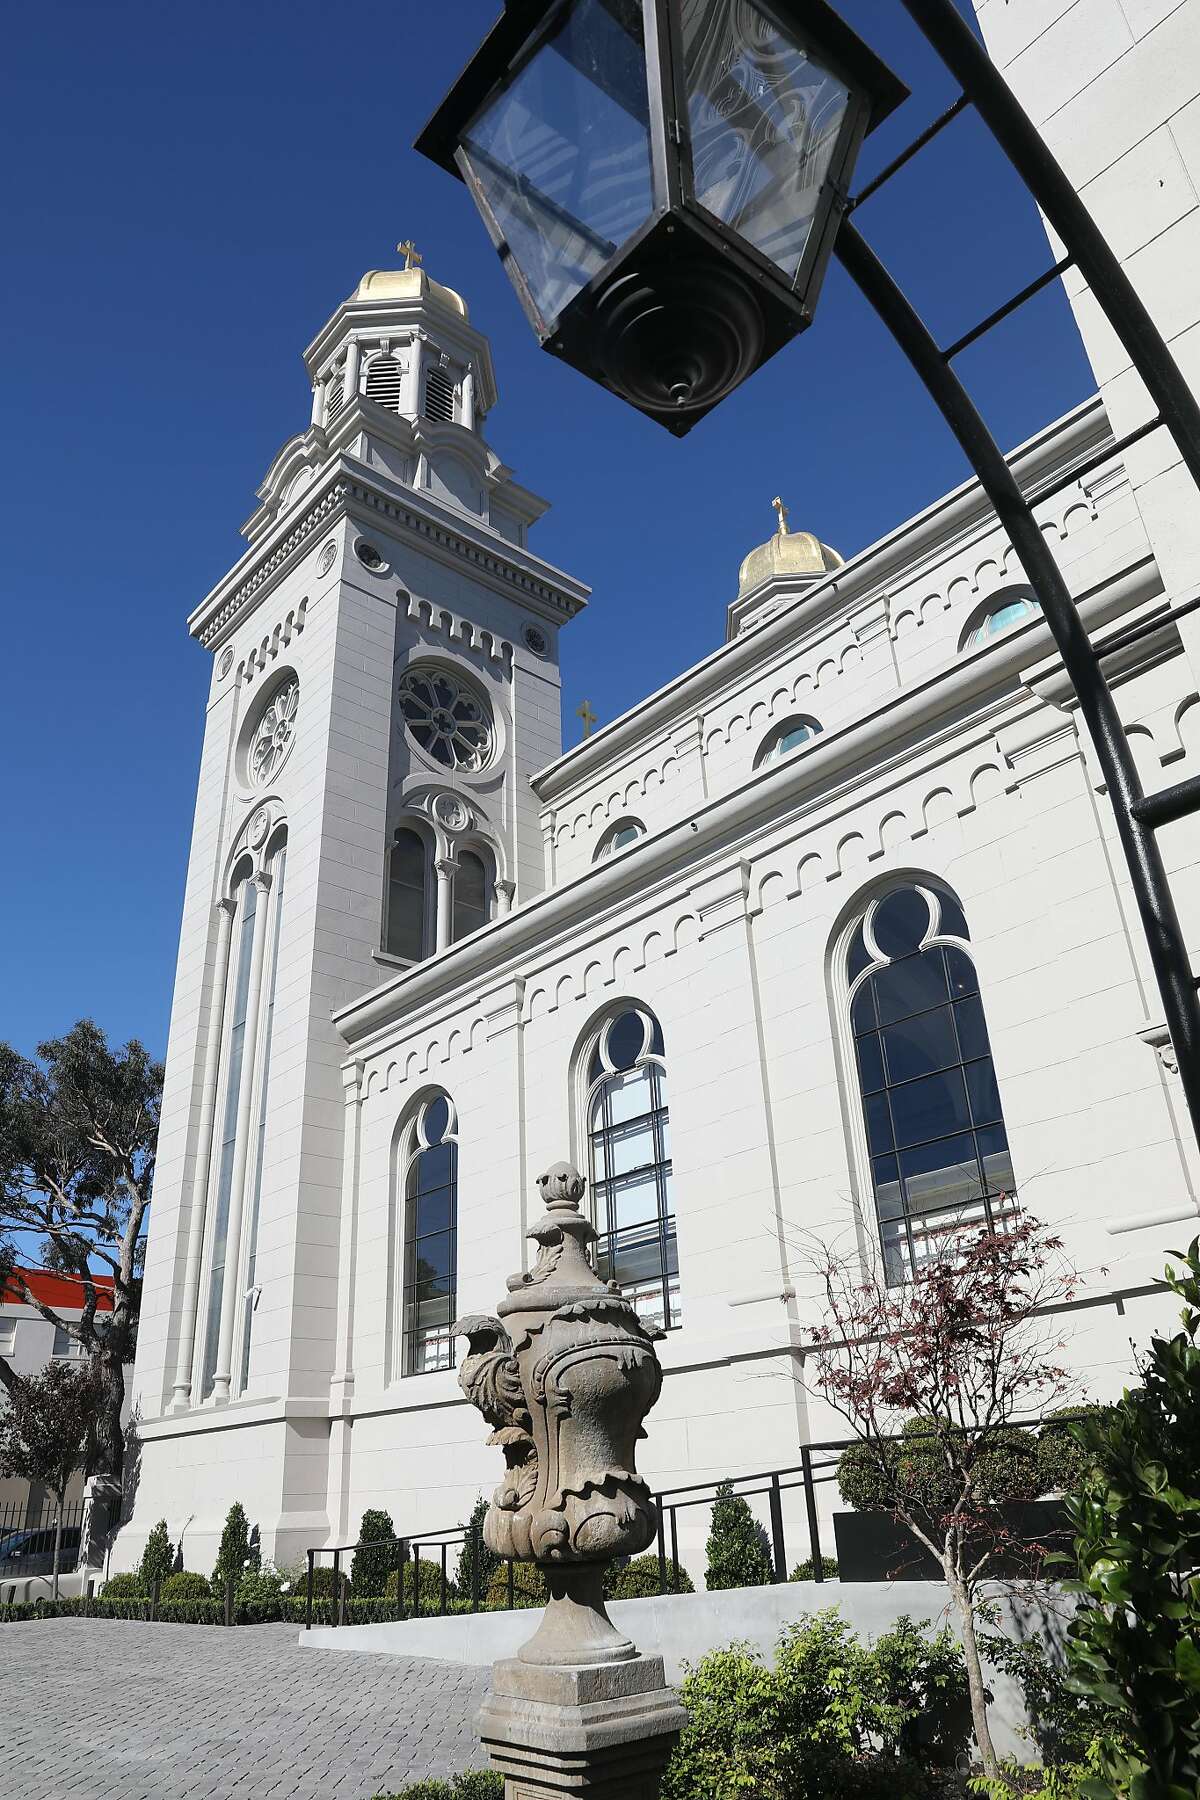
point(561, 151)
point(765, 119)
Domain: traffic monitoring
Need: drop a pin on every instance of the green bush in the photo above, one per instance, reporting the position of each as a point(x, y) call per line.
point(476, 1563)
point(641, 1578)
point(233, 1555)
point(1064, 1725)
point(868, 1475)
point(803, 1571)
point(373, 1564)
point(529, 1588)
point(1066, 1456)
point(126, 1586)
point(475, 1784)
point(158, 1558)
point(323, 1583)
point(737, 1545)
point(259, 1587)
point(185, 1584)
point(428, 1589)
point(833, 1718)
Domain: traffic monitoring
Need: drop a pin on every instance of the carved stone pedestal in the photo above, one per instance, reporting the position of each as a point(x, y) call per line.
point(603, 1731)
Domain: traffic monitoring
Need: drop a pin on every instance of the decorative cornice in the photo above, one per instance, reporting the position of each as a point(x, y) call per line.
point(349, 486)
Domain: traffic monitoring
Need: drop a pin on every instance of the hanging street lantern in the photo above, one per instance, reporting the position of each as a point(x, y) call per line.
point(664, 179)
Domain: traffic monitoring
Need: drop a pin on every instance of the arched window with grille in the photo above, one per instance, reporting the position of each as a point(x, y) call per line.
point(934, 1126)
point(429, 1185)
point(629, 1150)
point(411, 896)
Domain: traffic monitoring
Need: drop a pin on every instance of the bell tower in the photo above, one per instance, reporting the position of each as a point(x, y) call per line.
point(384, 683)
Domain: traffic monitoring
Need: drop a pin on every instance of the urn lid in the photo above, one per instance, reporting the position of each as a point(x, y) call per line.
point(562, 1273)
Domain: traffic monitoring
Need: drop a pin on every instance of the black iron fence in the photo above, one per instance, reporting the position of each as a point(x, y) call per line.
point(27, 1537)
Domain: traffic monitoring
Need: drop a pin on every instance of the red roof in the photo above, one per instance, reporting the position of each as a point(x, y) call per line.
point(62, 1293)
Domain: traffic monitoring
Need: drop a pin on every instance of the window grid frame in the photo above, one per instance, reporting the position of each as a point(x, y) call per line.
point(415, 1338)
point(662, 1231)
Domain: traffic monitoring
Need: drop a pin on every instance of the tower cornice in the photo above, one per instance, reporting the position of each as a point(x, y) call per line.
point(347, 488)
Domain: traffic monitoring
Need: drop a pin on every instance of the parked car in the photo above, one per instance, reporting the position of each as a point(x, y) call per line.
point(32, 1552)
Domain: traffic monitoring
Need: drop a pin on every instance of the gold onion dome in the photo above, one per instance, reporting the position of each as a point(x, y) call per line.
point(787, 553)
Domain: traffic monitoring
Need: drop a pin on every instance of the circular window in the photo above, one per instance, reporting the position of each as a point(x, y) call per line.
point(449, 719)
point(274, 733)
point(369, 556)
point(536, 640)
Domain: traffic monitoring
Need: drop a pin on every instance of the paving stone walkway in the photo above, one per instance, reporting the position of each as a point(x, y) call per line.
point(106, 1709)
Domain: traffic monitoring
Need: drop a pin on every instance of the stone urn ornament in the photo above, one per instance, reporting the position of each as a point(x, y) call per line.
point(565, 1374)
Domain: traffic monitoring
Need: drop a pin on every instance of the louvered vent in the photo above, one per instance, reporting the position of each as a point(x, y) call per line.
point(383, 382)
point(439, 397)
point(333, 396)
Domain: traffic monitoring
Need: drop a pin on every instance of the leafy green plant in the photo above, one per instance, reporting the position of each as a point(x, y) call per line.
point(529, 1588)
point(737, 1545)
point(324, 1587)
point(476, 1563)
point(1065, 1454)
point(1134, 1644)
point(158, 1558)
point(641, 1578)
point(233, 1553)
point(425, 1583)
point(922, 1695)
point(377, 1557)
point(259, 1587)
point(475, 1784)
point(184, 1585)
point(803, 1571)
point(128, 1585)
point(1062, 1724)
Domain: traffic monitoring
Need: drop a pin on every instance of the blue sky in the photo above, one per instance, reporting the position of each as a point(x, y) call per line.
point(190, 194)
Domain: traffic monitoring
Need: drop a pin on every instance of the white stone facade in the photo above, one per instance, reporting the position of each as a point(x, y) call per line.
point(945, 756)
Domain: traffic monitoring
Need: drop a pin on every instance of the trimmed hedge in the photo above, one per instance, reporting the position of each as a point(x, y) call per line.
point(185, 1584)
point(475, 1784)
point(127, 1586)
point(529, 1588)
point(641, 1579)
point(804, 1571)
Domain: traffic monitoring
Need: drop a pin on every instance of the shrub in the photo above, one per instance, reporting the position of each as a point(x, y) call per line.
point(803, 1571)
point(834, 1719)
point(641, 1579)
point(372, 1565)
point(1007, 1469)
point(476, 1563)
point(429, 1586)
point(185, 1584)
point(1064, 1725)
point(529, 1588)
point(1066, 1456)
point(158, 1557)
point(323, 1584)
point(475, 1784)
point(126, 1586)
point(259, 1587)
point(233, 1554)
point(737, 1545)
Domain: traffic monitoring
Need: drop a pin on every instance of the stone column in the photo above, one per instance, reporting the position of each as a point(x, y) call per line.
point(181, 1394)
point(505, 891)
point(318, 403)
point(445, 868)
point(468, 398)
point(565, 1374)
point(350, 380)
point(232, 1278)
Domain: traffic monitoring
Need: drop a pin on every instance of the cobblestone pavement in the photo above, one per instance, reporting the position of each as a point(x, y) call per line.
point(106, 1709)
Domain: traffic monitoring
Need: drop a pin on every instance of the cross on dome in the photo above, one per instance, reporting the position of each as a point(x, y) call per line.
point(412, 256)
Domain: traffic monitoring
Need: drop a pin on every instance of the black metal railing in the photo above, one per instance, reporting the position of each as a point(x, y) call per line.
point(27, 1536)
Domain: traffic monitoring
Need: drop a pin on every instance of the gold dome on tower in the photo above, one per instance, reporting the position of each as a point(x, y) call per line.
point(409, 283)
point(787, 553)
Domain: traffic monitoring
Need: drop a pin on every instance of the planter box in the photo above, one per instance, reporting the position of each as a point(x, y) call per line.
point(875, 1547)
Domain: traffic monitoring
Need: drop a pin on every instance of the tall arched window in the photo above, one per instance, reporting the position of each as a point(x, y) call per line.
point(931, 1108)
point(277, 863)
point(625, 1111)
point(473, 887)
point(410, 896)
point(429, 1164)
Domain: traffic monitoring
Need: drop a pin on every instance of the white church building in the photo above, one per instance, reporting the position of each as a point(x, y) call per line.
point(828, 938)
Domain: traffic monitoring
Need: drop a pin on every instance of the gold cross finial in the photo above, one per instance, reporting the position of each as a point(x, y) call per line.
point(585, 713)
point(782, 510)
point(412, 256)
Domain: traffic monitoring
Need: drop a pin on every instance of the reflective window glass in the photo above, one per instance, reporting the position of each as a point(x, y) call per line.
point(630, 1160)
point(431, 1238)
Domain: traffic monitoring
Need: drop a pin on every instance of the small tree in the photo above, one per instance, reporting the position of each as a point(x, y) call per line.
point(476, 1563)
point(968, 1345)
point(44, 1434)
point(372, 1566)
point(233, 1555)
point(158, 1558)
point(1134, 1643)
point(737, 1548)
point(78, 1130)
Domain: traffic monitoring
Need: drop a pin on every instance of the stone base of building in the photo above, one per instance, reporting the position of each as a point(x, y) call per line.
point(604, 1730)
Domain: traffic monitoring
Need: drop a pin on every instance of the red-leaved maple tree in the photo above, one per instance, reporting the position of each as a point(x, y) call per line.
point(968, 1346)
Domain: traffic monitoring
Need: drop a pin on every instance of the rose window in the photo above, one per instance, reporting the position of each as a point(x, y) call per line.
point(448, 719)
point(274, 733)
